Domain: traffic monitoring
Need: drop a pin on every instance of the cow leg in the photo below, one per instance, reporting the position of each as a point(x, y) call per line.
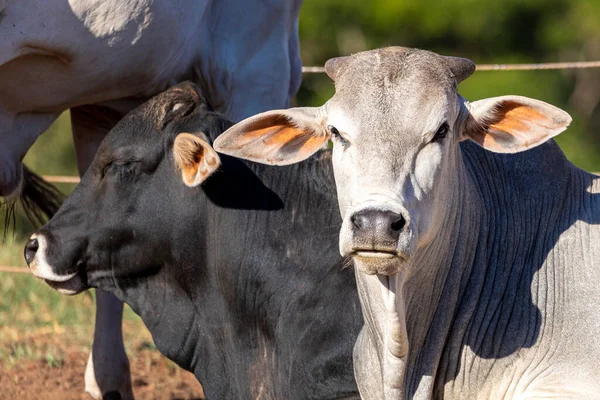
point(18, 132)
point(107, 375)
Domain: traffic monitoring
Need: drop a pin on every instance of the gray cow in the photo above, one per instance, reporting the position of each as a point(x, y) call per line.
point(477, 270)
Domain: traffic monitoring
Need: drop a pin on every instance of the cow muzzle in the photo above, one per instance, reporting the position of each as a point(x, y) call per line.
point(36, 256)
point(379, 241)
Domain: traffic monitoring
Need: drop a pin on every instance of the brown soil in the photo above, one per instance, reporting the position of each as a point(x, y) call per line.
point(60, 375)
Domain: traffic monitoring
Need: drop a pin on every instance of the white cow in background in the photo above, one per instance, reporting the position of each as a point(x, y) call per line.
point(100, 59)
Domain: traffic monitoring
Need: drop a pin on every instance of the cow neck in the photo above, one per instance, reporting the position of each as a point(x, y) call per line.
point(260, 289)
point(501, 224)
point(412, 299)
point(432, 291)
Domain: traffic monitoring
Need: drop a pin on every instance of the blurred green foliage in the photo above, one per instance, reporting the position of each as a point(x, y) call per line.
point(491, 31)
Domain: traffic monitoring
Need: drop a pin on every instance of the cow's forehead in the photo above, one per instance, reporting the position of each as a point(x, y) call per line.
point(147, 122)
point(393, 88)
point(393, 67)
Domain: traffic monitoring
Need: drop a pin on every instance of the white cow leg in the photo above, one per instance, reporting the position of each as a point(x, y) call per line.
point(107, 375)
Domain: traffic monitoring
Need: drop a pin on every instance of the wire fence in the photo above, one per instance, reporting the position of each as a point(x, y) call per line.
point(14, 270)
point(504, 67)
point(321, 70)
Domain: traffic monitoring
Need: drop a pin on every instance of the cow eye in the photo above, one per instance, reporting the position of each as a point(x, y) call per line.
point(335, 135)
point(441, 132)
point(122, 168)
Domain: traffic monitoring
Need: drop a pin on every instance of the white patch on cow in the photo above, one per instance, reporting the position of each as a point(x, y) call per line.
point(176, 107)
point(126, 20)
point(113, 370)
point(40, 266)
point(68, 284)
point(71, 287)
point(91, 386)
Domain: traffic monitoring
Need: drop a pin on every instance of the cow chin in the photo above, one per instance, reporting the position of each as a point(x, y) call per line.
point(374, 263)
point(70, 287)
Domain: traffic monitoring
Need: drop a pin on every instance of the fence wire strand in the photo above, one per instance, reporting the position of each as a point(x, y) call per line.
point(14, 270)
point(504, 67)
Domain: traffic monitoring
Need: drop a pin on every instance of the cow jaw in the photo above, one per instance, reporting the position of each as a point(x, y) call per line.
point(70, 287)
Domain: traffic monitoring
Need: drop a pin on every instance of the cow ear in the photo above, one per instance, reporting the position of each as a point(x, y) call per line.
point(195, 158)
point(510, 124)
point(279, 137)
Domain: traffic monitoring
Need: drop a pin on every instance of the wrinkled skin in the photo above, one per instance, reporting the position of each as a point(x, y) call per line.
point(470, 262)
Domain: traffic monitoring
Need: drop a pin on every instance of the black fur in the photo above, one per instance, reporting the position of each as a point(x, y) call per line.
point(239, 279)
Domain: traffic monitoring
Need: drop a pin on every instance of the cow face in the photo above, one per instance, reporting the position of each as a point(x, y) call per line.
point(395, 121)
point(121, 219)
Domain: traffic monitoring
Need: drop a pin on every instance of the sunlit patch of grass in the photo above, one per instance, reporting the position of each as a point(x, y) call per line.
point(11, 354)
point(28, 303)
point(54, 361)
point(31, 312)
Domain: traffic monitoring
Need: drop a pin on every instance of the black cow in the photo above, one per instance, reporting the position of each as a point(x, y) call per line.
point(237, 279)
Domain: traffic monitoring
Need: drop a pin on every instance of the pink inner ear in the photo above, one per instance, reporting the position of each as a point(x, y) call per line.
point(269, 129)
point(513, 126)
point(275, 137)
point(281, 135)
point(516, 117)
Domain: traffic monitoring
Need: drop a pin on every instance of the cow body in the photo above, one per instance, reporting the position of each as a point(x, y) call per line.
point(220, 273)
point(475, 265)
point(56, 55)
point(512, 313)
point(250, 311)
point(102, 58)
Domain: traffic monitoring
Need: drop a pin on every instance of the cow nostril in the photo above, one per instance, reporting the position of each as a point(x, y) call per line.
point(30, 249)
point(398, 224)
point(356, 221)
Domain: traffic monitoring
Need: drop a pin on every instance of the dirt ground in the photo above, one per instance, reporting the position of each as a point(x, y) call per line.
point(51, 368)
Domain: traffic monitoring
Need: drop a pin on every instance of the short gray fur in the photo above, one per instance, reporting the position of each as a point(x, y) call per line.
point(490, 289)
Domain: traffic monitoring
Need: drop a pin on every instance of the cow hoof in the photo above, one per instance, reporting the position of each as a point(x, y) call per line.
point(108, 383)
point(112, 396)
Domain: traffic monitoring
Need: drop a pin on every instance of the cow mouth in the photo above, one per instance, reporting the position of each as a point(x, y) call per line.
point(380, 262)
point(377, 254)
point(374, 254)
point(72, 286)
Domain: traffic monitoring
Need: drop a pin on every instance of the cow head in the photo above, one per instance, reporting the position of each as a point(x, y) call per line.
point(396, 120)
point(121, 219)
